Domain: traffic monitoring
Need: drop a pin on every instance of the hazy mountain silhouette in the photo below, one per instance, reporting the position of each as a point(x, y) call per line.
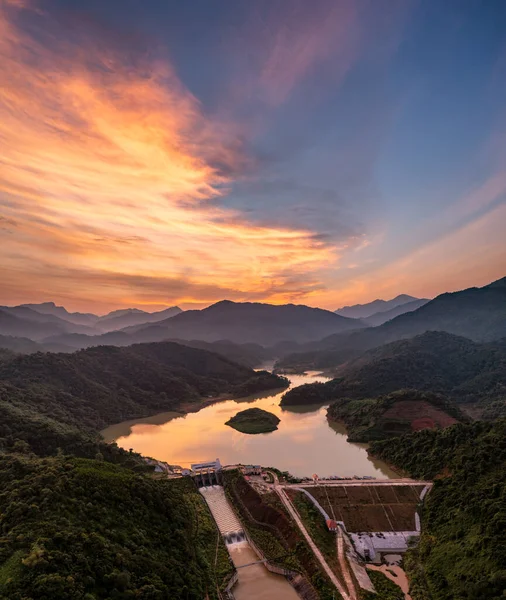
point(361, 311)
point(475, 313)
point(383, 316)
point(120, 319)
point(20, 344)
point(46, 320)
point(24, 322)
point(50, 308)
point(264, 324)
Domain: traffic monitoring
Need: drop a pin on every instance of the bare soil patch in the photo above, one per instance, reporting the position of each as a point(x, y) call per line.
point(421, 415)
point(371, 508)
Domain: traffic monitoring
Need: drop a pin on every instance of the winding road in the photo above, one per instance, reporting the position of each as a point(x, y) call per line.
point(316, 551)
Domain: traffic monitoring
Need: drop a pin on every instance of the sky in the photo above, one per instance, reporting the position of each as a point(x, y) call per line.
point(322, 153)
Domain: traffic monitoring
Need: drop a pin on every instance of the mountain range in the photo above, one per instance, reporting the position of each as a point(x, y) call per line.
point(475, 313)
point(301, 336)
point(386, 315)
point(88, 322)
point(239, 323)
point(363, 311)
point(42, 321)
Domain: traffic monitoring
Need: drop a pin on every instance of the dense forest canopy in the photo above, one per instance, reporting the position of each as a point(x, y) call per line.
point(78, 529)
point(103, 385)
point(82, 519)
point(462, 552)
point(469, 373)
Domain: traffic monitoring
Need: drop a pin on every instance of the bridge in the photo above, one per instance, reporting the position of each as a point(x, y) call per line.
point(250, 564)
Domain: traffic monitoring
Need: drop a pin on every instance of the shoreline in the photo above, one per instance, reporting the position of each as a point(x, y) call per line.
point(175, 420)
point(184, 408)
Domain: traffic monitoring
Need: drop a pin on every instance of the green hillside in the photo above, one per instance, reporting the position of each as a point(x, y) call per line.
point(475, 313)
point(462, 552)
point(86, 520)
point(76, 529)
point(103, 385)
point(470, 374)
point(393, 414)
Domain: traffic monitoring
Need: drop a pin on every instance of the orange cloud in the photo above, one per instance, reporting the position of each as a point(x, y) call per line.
point(109, 180)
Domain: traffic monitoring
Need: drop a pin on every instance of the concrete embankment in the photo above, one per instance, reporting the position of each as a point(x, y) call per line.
point(254, 581)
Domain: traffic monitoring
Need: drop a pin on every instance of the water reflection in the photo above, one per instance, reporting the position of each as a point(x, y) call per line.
point(303, 444)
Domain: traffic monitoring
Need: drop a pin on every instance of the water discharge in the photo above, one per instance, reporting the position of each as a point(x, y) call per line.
point(305, 442)
point(256, 582)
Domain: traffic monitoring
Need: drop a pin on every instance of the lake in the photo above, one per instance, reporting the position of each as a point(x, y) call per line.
point(305, 442)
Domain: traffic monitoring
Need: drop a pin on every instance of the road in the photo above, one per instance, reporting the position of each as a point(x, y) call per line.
point(358, 482)
point(316, 551)
point(345, 569)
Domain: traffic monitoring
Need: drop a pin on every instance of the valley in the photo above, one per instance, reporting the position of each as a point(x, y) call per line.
point(324, 471)
point(253, 300)
point(303, 444)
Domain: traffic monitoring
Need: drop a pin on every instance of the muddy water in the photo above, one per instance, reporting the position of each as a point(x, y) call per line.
point(304, 443)
point(395, 574)
point(256, 582)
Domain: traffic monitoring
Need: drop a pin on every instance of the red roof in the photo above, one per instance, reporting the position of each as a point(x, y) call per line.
point(331, 524)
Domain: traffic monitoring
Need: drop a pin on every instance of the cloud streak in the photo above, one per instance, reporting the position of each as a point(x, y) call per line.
point(109, 168)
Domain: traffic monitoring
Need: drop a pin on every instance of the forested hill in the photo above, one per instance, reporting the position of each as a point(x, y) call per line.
point(103, 385)
point(80, 529)
point(462, 552)
point(475, 313)
point(84, 520)
point(393, 414)
point(470, 373)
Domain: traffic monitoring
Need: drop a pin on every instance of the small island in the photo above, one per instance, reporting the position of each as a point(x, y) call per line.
point(254, 420)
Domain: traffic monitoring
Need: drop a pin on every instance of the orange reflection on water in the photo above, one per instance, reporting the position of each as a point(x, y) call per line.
point(304, 443)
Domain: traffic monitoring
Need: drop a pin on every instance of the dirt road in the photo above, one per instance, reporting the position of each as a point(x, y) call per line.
point(319, 556)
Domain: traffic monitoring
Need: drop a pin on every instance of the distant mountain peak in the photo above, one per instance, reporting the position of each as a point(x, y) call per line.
point(249, 322)
point(123, 311)
point(403, 298)
point(500, 283)
point(362, 311)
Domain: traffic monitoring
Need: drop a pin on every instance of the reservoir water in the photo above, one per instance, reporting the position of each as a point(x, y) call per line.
point(305, 442)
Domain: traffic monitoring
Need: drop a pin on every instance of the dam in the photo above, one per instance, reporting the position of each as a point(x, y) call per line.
point(254, 581)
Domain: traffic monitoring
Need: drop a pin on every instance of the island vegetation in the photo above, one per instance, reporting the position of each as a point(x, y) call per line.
point(254, 420)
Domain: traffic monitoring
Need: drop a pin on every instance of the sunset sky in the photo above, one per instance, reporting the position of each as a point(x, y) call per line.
point(324, 152)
